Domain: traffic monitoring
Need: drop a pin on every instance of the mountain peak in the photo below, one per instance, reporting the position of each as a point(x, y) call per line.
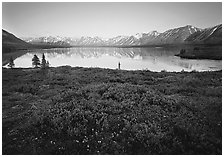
point(138, 35)
point(154, 33)
point(189, 26)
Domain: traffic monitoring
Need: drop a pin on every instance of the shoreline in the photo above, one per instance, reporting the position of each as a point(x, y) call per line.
point(189, 56)
point(124, 70)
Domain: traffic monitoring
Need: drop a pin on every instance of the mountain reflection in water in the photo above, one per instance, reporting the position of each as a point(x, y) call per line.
point(154, 59)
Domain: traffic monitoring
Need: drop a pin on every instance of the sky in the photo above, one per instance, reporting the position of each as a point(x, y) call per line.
point(105, 19)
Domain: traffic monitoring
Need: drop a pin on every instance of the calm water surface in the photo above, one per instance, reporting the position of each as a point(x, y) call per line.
point(154, 59)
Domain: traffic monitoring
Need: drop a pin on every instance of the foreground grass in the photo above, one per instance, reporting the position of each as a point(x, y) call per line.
point(100, 111)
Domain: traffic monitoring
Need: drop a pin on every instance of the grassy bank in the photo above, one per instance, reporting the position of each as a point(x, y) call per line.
point(76, 110)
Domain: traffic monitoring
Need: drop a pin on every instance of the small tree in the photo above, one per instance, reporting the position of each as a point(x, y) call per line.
point(182, 51)
point(11, 62)
point(43, 63)
point(35, 61)
point(47, 64)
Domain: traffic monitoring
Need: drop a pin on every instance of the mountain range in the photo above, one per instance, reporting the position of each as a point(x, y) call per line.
point(182, 35)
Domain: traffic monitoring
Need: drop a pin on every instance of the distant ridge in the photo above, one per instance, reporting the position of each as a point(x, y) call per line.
point(11, 43)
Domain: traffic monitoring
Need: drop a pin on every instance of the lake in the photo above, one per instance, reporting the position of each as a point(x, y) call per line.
point(154, 59)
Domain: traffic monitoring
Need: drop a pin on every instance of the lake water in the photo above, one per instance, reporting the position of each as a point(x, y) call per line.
point(154, 59)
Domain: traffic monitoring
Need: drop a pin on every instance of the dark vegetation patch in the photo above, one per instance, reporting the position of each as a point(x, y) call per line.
point(77, 110)
point(213, 52)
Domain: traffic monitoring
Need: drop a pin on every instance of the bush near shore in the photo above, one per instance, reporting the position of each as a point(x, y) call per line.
point(76, 110)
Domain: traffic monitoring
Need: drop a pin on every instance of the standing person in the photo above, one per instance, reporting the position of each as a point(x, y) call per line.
point(119, 65)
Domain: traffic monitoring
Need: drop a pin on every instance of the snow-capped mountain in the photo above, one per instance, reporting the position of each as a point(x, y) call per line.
point(123, 41)
point(211, 35)
point(148, 37)
point(117, 40)
point(89, 41)
point(138, 35)
point(181, 35)
point(50, 40)
point(174, 36)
